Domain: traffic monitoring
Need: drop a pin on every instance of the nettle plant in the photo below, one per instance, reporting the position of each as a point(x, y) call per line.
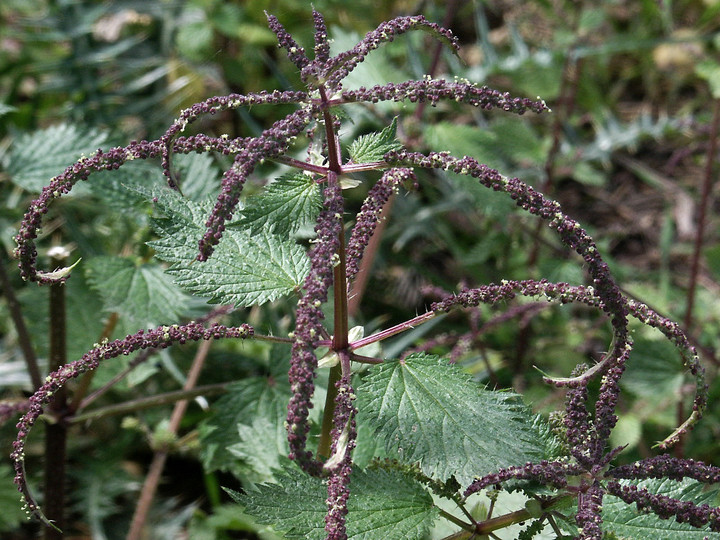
point(432, 439)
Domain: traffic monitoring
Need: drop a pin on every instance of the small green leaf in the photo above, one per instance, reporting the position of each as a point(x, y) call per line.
point(431, 412)
point(383, 504)
point(142, 294)
point(246, 269)
point(37, 157)
point(627, 523)
point(286, 205)
point(372, 147)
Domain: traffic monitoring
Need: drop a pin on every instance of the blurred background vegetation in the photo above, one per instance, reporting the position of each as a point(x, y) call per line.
point(634, 86)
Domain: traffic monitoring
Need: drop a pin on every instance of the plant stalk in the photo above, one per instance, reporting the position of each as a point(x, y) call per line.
point(147, 493)
point(23, 335)
point(56, 432)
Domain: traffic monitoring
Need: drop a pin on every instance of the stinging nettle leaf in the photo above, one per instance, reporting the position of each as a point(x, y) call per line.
point(431, 412)
point(382, 504)
point(39, 156)
point(292, 201)
point(199, 177)
point(142, 294)
point(373, 146)
point(250, 404)
point(246, 269)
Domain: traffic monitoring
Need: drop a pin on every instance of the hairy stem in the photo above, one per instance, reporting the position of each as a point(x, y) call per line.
point(56, 432)
point(702, 217)
point(397, 329)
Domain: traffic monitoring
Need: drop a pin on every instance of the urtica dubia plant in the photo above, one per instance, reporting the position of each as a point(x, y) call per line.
point(432, 432)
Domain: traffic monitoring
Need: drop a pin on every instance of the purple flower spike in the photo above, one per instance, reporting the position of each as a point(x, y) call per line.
point(367, 218)
point(434, 90)
point(340, 66)
point(161, 337)
point(343, 435)
point(588, 517)
point(295, 52)
point(271, 143)
point(322, 45)
point(309, 316)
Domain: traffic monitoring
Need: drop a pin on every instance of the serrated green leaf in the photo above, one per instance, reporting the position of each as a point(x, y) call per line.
point(142, 294)
point(37, 157)
point(198, 175)
point(431, 412)
point(627, 523)
point(114, 188)
point(286, 205)
point(262, 447)
point(373, 146)
point(245, 269)
point(383, 504)
point(245, 401)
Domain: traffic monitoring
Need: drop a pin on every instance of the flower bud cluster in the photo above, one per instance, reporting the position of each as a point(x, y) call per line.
point(271, 143)
point(697, 515)
point(309, 316)
point(344, 63)
point(160, 337)
point(435, 90)
point(343, 435)
point(369, 215)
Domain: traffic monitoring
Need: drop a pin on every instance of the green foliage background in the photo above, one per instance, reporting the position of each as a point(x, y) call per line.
point(631, 85)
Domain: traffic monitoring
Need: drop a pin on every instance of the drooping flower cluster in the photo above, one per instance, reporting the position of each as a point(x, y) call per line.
point(309, 316)
point(161, 337)
point(369, 215)
point(586, 433)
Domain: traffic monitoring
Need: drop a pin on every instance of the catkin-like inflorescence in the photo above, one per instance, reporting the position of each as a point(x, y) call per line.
point(61, 185)
point(344, 434)
point(322, 44)
point(549, 473)
point(271, 143)
point(569, 231)
point(295, 53)
point(161, 337)
point(697, 515)
point(308, 324)
point(434, 90)
point(665, 466)
point(341, 65)
point(369, 215)
point(589, 514)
